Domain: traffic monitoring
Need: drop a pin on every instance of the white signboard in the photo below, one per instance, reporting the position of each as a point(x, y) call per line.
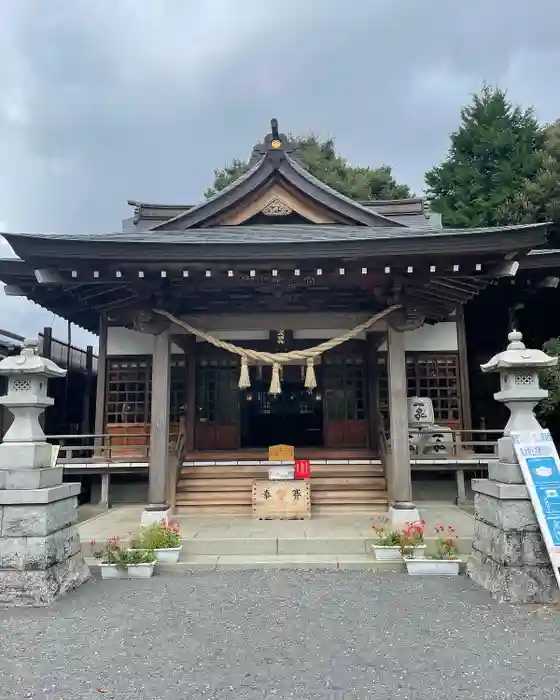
point(540, 465)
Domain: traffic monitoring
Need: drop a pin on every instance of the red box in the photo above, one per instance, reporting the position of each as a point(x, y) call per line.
point(302, 469)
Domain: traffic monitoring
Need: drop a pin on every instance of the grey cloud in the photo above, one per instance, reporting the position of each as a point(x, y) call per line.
point(115, 99)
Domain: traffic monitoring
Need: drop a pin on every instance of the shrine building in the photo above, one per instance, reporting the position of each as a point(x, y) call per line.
point(278, 311)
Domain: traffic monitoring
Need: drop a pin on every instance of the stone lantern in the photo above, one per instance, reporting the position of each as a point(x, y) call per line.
point(519, 381)
point(40, 551)
point(508, 556)
point(24, 445)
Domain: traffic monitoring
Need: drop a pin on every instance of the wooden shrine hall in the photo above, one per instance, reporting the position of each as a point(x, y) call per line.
point(276, 311)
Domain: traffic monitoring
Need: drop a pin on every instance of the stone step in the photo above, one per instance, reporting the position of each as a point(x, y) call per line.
point(259, 546)
point(346, 562)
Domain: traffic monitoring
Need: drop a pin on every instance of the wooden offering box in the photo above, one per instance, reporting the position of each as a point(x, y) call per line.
point(281, 500)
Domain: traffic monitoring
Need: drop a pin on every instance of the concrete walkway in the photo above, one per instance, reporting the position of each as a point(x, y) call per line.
point(322, 542)
point(255, 635)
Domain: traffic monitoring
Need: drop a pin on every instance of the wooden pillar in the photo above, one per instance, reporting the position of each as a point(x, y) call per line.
point(466, 415)
point(372, 341)
point(160, 410)
point(88, 380)
point(399, 475)
point(101, 387)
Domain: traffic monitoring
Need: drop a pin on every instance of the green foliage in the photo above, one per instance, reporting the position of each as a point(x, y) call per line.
point(495, 155)
point(550, 380)
point(538, 198)
point(113, 553)
point(386, 538)
point(320, 157)
point(158, 536)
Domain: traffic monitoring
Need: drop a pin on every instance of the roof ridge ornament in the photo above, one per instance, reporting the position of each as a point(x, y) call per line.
point(276, 146)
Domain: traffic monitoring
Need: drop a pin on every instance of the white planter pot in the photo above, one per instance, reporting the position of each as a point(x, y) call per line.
point(418, 552)
point(432, 567)
point(140, 570)
point(383, 553)
point(133, 571)
point(111, 571)
point(169, 555)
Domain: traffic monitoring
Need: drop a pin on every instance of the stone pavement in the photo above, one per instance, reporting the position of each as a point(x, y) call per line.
point(322, 542)
point(253, 635)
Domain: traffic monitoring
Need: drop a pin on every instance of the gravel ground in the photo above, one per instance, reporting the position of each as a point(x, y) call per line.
point(262, 635)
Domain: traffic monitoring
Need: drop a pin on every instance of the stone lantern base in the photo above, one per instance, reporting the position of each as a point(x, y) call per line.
point(40, 554)
point(509, 557)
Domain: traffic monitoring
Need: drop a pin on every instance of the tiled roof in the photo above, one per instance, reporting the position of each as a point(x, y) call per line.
point(263, 234)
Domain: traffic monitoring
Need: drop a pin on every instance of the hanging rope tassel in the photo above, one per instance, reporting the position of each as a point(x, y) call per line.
point(244, 378)
point(275, 387)
point(310, 380)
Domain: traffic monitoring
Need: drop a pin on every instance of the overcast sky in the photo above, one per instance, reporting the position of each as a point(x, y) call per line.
point(107, 100)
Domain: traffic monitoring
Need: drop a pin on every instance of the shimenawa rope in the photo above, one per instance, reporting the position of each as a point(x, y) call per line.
point(277, 359)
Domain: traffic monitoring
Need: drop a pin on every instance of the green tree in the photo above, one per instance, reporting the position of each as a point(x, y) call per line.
point(548, 409)
point(495, 154)
point(538, 198)
point(322, 161)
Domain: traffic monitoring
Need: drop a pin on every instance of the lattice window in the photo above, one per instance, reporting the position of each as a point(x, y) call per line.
point(428, 374)
point(217, 391)
point(129, 388)
point(345, 388)
point(129, 394)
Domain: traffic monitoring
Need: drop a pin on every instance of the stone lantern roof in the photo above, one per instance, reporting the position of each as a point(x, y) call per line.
point(517, 355)
point(30, 362)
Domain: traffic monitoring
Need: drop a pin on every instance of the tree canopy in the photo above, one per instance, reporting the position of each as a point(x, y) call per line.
point(495, 159)
point(322, 160)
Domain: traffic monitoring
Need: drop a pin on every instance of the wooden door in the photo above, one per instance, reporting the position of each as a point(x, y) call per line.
point(345, 416)
point(217, 404)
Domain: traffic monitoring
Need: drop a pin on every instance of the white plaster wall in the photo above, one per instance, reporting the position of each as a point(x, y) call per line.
point(272, 321)
point(441, 337)
point(124, 341)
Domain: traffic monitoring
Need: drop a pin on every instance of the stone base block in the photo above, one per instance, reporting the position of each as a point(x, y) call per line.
point(39, 552)
point(37, 519)
point(26, 455)
point(44, 586)
point(510, 547)
point(505, 472)
point(400, 517)
point(30, 478)
point(505, 513)
point(513, 584)
point(155, 514)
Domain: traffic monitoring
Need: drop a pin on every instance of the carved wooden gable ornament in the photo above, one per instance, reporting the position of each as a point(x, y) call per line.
point(276, 207)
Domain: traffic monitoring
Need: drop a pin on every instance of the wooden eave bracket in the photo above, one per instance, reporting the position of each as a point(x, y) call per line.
point(48, 276)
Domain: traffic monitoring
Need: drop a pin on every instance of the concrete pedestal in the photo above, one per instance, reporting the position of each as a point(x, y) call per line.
point(400, 515)
point(509, 557)
point(40, 556)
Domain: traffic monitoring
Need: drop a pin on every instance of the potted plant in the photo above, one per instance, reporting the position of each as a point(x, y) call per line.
point(445, 562)
point(163, 538)
point(118, 562)
point(412, 540)
point(387, 544)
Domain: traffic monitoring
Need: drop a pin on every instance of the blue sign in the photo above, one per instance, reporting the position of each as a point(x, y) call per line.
point(545, 475)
